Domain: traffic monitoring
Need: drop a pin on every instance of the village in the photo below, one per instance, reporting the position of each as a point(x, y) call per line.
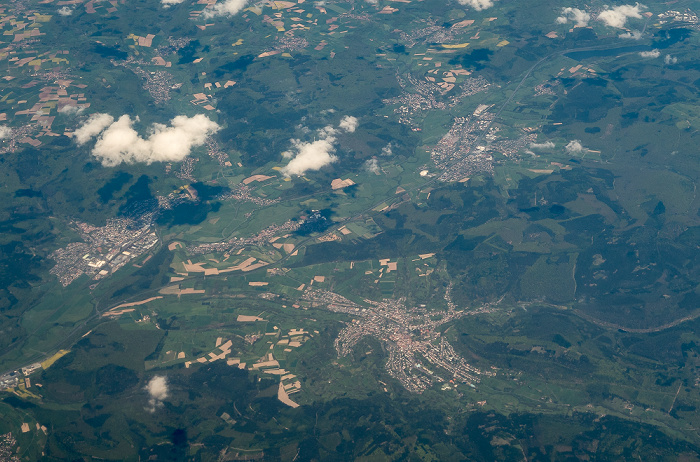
point(263, 237)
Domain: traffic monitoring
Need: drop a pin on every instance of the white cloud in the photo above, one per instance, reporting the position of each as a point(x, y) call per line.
point(348, 123)
point(71, 110)
point(120, 143)
point(617, 16)
point(327, 131)
point(310, 156)
point(5, 132)
point(388, 150)
point(478, 5)
point(545, 145)
point(168, 3)
point(158, 388)
point(158, 391)
point(633, 35)
point(373, 166)
point(574, 147)
point(93, 127)
point(580, 17)
point(316, 154)
point(65, 11)
point(668, 59)
point(225, 8)
point(650, 54)
point(175, 142)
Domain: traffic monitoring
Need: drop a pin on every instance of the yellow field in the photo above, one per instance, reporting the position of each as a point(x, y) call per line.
point(456, 45)
point(49, 362)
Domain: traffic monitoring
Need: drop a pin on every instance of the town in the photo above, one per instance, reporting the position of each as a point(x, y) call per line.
point(428, 93)
point(688, 16)
point(13, 379)
point(456, 154)
point(104, 250)
point(418, 355)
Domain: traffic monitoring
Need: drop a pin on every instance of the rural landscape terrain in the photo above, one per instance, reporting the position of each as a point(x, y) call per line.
point(349, 230)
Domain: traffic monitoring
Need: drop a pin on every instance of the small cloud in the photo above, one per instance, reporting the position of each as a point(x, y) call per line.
point(310, 156)
point(478, 5)
point(545, 145)
point(650, 54)
point(348, 123)
point(158, 391)
point(316, 154)
point(327, 131)
point(372, 166)
point(65, 11)
point(668, 59)
point(158, 388)
point(71, 110)
point(388, 150)
point(225, 8)
point(632, 35)
point(5, 132)
point(574, 147)
point(93, 127)
point(120, 143)
point(580, 17)
point(302, 128)
point(617, 16)
point(169, 3)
